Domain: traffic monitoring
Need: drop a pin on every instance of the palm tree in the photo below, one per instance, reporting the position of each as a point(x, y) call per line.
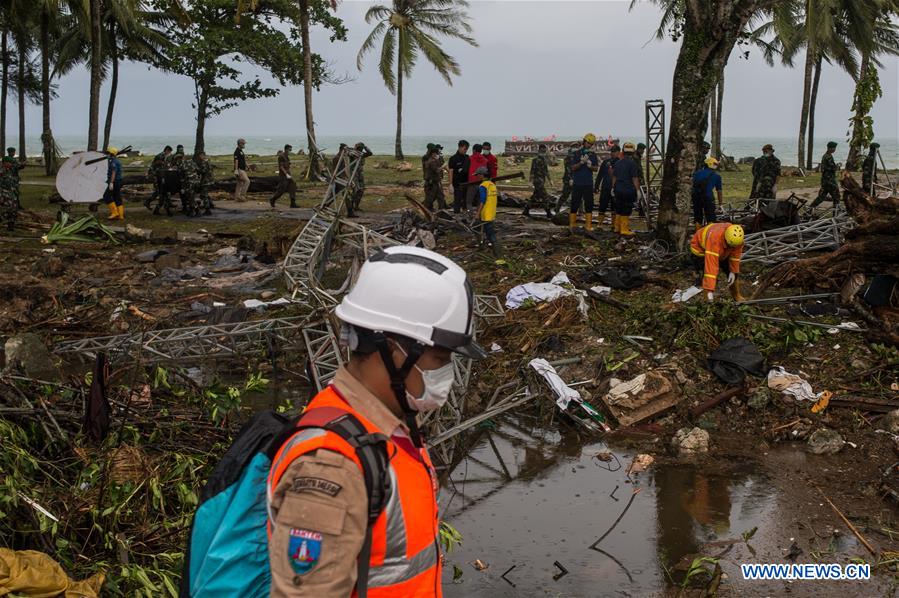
point(95, 21)
point(407, 29)
point(49, 17)
point(4, 47)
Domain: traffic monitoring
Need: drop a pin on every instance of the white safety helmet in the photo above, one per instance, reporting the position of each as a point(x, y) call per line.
point(416, 293)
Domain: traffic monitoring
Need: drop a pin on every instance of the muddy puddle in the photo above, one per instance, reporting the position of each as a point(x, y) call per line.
point(525, 498)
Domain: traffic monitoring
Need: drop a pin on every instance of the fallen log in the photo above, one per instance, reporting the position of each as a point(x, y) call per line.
point(865, 404)
point(258, 184)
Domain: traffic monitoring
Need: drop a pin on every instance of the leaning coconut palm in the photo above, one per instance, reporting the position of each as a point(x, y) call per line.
point(409, 28)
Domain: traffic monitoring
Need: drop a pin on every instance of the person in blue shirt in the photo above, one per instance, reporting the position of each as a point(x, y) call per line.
point(583, 163)
point(604, 183)
point(706, 182)
point(625, 182)
point(113, 194)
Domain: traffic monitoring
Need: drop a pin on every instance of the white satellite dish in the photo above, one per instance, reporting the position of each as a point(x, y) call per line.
point(80, 182)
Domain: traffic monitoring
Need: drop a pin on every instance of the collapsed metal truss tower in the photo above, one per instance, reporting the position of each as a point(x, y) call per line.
point(788, 242)
point(654, 157)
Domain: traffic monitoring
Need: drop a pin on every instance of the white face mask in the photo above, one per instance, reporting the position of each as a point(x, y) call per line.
point(437, 385)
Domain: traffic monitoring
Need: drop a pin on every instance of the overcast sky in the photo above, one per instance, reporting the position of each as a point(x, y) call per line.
point(541, 68)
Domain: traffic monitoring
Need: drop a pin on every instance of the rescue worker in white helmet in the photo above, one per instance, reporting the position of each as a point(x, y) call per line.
point(410, 310)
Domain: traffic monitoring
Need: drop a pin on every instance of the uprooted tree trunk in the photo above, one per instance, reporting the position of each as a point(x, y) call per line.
point(872, 247)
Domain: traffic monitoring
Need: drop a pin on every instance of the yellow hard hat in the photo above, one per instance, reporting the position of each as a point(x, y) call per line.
point(112, 151)
point(590, 138)
point(733, 235)
point(711, 162)
point(628, 147)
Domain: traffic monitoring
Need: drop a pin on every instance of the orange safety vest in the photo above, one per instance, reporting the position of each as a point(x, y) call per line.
point(708, 242)
point(405, 555)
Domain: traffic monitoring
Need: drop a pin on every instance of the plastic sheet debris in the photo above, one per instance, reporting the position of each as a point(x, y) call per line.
point(734, 358)
point(790, 384)
point(682, 296)
point(33, 573)
point(850, 326)
point(601, 290)
point(545, 291)
point(564, 393)
point(257, 304)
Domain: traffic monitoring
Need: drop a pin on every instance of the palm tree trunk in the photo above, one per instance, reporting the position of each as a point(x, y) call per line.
point(398, 144)
point(713, 118)
point(96, 56)
point(717, 126)
point(23, 52)
point(307, 89)
point(811, 115)
point(113, 86)
point(200, 139)
point(806, 96)
point(3, 92)
point(47, 144)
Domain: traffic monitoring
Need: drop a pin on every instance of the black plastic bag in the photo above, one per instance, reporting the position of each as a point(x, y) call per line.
point(735, 358)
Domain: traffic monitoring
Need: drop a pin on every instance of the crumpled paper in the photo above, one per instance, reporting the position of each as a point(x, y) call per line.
point(790, 384)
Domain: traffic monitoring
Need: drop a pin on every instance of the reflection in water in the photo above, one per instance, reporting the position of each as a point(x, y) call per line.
point(527, 496)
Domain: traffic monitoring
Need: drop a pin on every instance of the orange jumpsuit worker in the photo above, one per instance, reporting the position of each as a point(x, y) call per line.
point(718, 246)
point(408, 312)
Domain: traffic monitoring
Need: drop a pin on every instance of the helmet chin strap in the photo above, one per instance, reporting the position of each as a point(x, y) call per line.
point(398, 381)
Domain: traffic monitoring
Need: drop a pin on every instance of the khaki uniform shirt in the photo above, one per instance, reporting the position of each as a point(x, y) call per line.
point(323, 492)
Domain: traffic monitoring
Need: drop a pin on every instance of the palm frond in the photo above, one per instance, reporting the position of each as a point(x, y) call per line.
point(385, 65)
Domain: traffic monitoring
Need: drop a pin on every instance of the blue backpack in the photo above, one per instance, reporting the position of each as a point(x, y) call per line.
point(227, 552)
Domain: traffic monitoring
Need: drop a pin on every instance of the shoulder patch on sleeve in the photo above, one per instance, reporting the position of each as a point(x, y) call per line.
point(302, 484)
point(304, 550)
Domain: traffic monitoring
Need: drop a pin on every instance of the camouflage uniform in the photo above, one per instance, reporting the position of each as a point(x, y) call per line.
point(566, 178)
point(156, 172)
point(869, 168)
point(829, 185)
point(11, 168)
point(638, 160)
point(190, 180)
point(9, 204)
point(204, 172)
point(539, 174)
point(433, 178)
point(765, 172)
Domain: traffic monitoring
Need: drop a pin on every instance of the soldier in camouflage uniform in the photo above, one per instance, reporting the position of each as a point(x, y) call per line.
point(14, 167)
point(156, 172)
point(190, 180)
point(9, 205)
point(765, 172)
point(204, 174)
point(539, 175)
point(638, 160)
point(869, 169)
point(356, 198)
point(566, 175)
point(829, 187)
point(432, 168)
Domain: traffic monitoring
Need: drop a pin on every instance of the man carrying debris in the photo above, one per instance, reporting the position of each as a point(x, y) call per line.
point(240, 171)
point(829, 187)
point(538, 177)
point(458, 166)
point(625, 182)
point(113, 194)
point(432, 166)
point(869, 169)
point(286, 184)
point(487, 207)
point(157, 173)
point(583, 164)
point(604, 185)
point(765, 172)
point(325, 539)
point(706, 183)
point(717, 247)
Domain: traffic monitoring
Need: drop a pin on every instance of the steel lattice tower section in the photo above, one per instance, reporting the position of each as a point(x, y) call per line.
point(655, 156)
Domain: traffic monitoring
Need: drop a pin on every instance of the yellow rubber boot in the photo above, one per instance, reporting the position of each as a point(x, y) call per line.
point(624, 226)
point(120, 214)
point(113, 211)
point(614, 223)
point(572, 221)
point(735, 291)
point(588, 221)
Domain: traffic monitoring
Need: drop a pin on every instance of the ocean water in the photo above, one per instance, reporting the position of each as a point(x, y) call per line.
point(414, 145)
